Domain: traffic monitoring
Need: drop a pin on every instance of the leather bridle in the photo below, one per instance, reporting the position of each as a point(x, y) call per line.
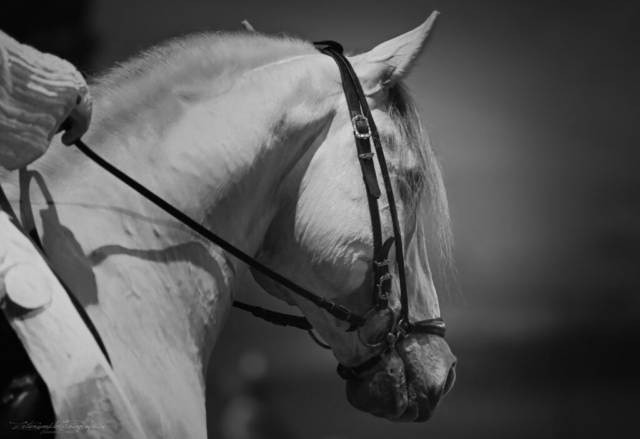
point(365, 132)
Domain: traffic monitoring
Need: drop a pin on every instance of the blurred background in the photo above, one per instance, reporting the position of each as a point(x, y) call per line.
point(532, 108)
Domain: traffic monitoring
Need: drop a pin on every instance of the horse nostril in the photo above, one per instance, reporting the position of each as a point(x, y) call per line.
point(451, 378)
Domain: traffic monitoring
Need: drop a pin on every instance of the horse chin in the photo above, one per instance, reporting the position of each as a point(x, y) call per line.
point(407, 384)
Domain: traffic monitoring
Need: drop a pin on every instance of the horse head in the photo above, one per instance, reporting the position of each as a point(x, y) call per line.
point(321, 235)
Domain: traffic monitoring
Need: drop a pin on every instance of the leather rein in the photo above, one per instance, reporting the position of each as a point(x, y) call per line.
point(365, 131)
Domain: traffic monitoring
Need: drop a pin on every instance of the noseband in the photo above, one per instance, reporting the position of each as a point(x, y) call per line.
point(365, 131)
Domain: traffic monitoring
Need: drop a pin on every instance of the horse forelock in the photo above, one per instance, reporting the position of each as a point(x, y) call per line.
point(420, 182)
point(185, 69)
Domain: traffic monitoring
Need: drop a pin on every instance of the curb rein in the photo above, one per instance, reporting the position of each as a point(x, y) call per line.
point(364, 130)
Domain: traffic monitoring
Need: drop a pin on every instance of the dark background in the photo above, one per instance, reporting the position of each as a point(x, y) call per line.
point(533, 109)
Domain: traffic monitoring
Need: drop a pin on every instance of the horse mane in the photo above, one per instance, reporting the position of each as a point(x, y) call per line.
point(420, 184)
point(188, 68)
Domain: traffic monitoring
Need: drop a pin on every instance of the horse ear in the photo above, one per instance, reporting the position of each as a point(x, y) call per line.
point(393, 59)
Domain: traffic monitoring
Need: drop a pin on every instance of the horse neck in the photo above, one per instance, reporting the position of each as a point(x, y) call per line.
point(157, 293)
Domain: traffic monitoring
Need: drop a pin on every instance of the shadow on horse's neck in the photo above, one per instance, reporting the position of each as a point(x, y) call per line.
point(157, 294)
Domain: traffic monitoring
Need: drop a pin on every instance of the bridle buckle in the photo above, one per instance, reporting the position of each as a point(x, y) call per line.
point(361, 127)
point(366, 155)
point(382, 294)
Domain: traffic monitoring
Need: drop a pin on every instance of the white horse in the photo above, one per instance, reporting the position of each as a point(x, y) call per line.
point(250, 136)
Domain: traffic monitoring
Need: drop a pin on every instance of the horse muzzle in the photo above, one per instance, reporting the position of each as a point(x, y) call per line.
point(409, 381)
